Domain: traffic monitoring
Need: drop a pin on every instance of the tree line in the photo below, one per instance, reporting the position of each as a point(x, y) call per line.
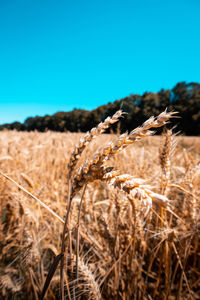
point(184, 98)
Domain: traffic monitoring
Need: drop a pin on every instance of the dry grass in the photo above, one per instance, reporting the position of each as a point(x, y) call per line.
point(131, 246)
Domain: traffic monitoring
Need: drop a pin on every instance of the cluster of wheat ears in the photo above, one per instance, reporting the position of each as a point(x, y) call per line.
point(118, 224)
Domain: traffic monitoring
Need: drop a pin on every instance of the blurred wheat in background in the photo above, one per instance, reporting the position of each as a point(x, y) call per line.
point(132, 233)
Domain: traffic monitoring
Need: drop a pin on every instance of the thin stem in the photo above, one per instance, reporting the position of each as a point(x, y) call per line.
point(32, 196)
point(77, 236)
point(65, 228)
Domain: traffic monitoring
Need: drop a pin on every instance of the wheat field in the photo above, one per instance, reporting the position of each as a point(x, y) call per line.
point(133, 225)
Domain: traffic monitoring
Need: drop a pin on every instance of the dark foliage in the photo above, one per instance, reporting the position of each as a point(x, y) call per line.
point(184, 98)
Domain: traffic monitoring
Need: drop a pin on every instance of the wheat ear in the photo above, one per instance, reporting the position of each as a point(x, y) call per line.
point(189, 179)
point(136, 189)
point(165, 154)
point(191, 174)
point(88, 138)
point(87, 283)
point(92, 170)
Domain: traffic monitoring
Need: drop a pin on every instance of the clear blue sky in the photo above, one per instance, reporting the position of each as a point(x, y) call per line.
point(58, 55)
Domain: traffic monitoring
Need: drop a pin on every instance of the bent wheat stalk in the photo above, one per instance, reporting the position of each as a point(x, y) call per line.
point(95, 169)
point(72, 163)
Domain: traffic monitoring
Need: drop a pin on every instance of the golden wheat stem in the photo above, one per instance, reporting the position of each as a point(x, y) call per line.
point(77, 234)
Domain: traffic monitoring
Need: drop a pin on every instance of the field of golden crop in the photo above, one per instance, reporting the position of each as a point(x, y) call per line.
point(123, 246)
